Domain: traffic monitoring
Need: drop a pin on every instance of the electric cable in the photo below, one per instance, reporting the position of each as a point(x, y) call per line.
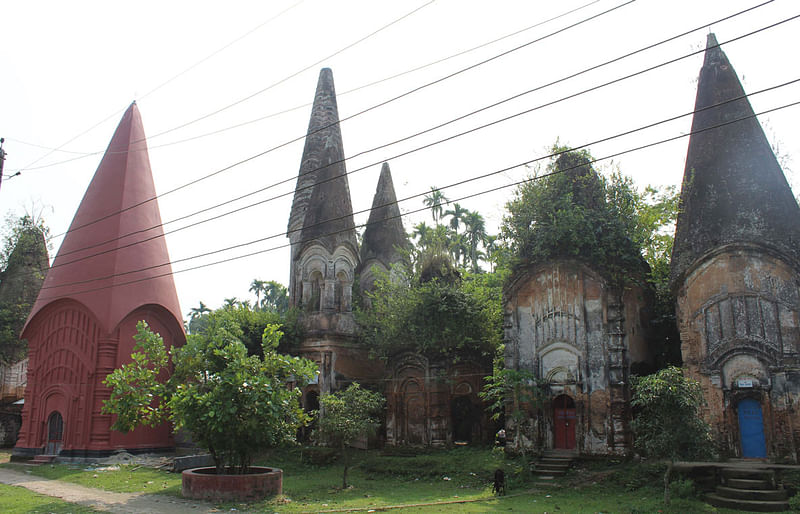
point(474, 129)
point(338, 94)
point(252, 157)
point(116, 113)
point(466, 197)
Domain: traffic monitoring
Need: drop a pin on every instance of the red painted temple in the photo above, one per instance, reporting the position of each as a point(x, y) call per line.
point(111, 271)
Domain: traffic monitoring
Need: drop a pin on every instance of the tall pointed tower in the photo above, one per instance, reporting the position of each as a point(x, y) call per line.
point(111, 271)
point(736, 270)
point(384, 236)
point(325, 252)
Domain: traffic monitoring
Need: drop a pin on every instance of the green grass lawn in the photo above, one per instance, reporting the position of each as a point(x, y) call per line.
point(379, 480)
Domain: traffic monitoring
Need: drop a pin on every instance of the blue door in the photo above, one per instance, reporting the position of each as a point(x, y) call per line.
point(751, 429)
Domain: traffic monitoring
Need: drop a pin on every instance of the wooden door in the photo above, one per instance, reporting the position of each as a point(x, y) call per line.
point(564, 423)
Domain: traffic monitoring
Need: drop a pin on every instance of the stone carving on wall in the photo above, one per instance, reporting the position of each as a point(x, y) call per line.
point(745, 324)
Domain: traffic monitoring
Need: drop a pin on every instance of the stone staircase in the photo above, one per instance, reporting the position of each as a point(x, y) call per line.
point(752, 490)
point(553, 463)
point(42, 459)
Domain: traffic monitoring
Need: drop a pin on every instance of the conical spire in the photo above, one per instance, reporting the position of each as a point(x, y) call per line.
point(733, 188)
point(384, 233)
point(98, 245)
point(321, 209)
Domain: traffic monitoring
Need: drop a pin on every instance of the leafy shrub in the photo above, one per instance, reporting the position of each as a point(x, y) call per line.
point(682, 488)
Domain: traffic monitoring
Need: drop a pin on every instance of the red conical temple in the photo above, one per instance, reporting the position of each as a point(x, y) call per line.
point(111, 271)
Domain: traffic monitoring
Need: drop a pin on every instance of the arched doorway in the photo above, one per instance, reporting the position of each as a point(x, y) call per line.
point(55, 433)
point(751, 428)
point(310, 404)
point(464, 417)
point(563, 422)
point(415, 413)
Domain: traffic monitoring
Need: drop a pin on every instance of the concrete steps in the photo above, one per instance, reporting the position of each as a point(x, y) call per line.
point(553, 463)
point(42, 459)
point(750, 490)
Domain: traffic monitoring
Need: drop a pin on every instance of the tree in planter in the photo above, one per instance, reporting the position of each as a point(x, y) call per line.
point(233, 404)
point(668, 424)
point(347, 416)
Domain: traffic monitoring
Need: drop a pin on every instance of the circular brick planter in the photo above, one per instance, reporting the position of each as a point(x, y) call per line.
point(205, 484)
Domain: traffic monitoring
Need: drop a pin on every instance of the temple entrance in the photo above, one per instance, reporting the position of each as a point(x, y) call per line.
point(464, 417)
point(55, 434)
point(415, 414)
point(563, 422)
point(310, 405)
point(751, 429)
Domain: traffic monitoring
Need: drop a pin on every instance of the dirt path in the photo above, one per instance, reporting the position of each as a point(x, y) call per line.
point(104, 500)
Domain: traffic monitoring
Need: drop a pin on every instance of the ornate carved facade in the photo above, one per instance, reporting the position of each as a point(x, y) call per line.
point(736, 272)
point(425, 404)
point(579, 336)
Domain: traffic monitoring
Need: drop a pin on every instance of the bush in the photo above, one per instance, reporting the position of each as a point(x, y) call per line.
point(682, 488)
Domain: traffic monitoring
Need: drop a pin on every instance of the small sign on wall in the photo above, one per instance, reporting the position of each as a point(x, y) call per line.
point(745, 382)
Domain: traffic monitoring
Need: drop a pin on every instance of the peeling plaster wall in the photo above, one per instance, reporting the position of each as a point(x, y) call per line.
point(739, 319)
point(566, 325)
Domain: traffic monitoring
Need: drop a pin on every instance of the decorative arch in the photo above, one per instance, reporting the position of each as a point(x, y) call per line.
point(559, 363)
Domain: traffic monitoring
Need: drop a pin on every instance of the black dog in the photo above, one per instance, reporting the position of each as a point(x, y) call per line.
point(499, 486)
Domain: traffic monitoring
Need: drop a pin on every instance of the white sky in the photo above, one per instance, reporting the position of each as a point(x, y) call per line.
point(65, 66)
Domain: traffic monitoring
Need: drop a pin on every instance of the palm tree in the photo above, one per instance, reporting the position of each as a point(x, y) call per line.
point(276, 297)
point(257, 287)
point(457, 213)
point(230, 303)
point(196, 320)
point(476, 234)
point(434, 201)
point(422, 232)
point(198, 311)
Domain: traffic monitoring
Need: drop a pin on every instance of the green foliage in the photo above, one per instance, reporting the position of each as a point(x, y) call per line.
point(347, 416)
point(251, 323)
point(231, 403)
point(573, 212)
point(515, 393)
point(667, 424)
point(275, 296)
point(24, 263)
point(435, 318)
point(138, 388)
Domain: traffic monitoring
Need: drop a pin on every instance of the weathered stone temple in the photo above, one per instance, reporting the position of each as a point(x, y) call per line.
point(736, 272)
point(326, 265)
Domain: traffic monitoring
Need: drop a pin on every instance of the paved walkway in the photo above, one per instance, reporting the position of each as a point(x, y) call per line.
point(104, 500)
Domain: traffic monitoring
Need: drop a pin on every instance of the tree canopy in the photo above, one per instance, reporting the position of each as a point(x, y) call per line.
point(571, 211)
point(23, 265)
point(231, 403)
point(439, 318)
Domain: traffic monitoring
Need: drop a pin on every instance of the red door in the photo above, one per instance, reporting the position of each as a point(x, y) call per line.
point(55, 434)
point(564, 422)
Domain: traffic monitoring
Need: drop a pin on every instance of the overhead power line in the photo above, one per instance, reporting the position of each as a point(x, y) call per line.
point(448, 138)
point(116, 113)
point(60, 147)
point(373, 107)
point(472, 179)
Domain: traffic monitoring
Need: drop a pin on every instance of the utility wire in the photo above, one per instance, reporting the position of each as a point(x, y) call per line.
point(383, 103)
point(472, 179)
point(338, 95)
point(474, 129)
point(298, 72)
